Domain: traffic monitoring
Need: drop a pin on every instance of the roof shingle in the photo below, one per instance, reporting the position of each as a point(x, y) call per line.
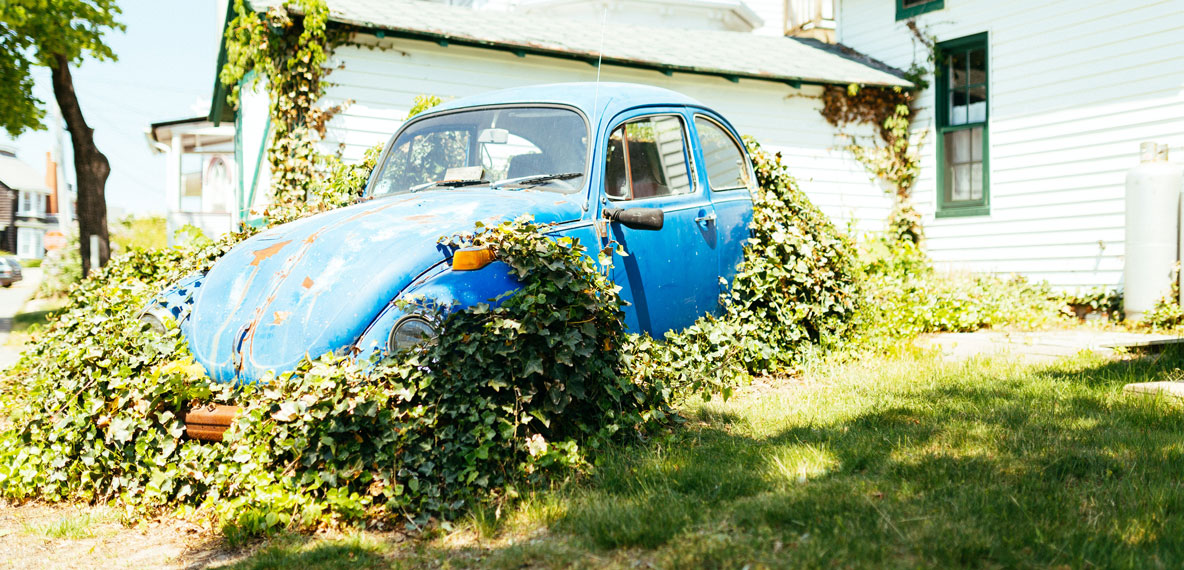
point(723, 53)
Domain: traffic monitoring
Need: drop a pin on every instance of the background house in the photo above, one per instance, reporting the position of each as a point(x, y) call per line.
point(201, 177)
point(765, 83)
point(1035, 116)
point(28, 208)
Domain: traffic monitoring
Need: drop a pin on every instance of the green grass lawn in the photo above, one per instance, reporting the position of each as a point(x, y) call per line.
point(893, 462)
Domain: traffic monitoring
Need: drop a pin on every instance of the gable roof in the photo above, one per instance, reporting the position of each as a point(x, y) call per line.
point(20, 176)
point(732, 55)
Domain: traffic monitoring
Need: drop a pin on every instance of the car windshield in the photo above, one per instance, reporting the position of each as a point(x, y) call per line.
point(511, 147)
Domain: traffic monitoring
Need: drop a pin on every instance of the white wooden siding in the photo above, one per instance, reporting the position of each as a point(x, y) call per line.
point(382, 84)
point(1075, 86)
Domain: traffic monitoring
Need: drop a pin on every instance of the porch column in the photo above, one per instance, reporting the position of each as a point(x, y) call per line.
point(172, 204)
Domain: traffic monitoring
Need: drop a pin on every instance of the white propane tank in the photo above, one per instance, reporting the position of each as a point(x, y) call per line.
point(1152, 229)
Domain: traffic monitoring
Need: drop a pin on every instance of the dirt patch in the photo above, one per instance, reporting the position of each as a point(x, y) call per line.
point(37, 536)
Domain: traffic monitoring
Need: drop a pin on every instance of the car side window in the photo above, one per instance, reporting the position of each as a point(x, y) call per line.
point(647, 158)
point(723, 158)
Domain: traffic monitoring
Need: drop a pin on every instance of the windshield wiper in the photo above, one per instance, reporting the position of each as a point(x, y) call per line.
point(446, 184)
point(535, 180)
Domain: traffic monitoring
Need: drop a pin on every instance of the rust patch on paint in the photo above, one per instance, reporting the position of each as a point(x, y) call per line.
point(280, 317)
point(307, 283)
point(262, 254)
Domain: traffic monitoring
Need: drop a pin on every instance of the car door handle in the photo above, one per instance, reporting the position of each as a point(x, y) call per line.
point(706, 219)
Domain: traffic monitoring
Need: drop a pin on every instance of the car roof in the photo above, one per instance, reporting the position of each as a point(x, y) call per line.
point(596, 101)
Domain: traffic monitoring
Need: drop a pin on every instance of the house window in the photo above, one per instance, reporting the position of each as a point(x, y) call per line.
point(647, 159)
point(963, 181)
point(31, 204)
point(25, 207)
point(29, 243)
point(906, 9)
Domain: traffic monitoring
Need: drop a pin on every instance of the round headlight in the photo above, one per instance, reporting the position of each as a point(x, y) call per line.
point(154, 318)
point(410, 331)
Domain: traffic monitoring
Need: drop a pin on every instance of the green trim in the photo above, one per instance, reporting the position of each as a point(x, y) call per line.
point(961, 208)
point(903, 13)
point(218, 111)
point(238, 159)
point(246, 209)
point(964, 212)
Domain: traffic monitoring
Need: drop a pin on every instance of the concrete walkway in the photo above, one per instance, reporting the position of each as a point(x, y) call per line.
point(1041, 346)
point(11, 301)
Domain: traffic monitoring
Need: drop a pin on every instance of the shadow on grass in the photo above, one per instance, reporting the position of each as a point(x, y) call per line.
point(297, 551)
point(25, 321)
point(979, 465)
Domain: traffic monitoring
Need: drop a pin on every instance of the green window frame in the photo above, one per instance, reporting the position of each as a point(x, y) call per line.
point(906, 9)
point(963, 105)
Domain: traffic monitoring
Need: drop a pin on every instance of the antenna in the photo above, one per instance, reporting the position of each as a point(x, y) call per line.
point(596, 94)
point(599, 59)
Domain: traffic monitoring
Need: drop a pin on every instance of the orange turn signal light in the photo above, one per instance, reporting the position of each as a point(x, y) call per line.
point(471, 258)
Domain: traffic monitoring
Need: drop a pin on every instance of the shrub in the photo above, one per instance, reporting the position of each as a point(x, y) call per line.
point(139, 232)
point(1166, 315)
point(62, 268)
point(906, 296)
point(798, 284)
point(95, 402)
point(1101, 300)
point(508, 392)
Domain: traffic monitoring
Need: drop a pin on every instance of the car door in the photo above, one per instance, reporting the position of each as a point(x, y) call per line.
point(670, 275)
point(726, 171)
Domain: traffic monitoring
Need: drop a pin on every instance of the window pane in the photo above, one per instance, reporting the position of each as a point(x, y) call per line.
point(976, 99)
point(616, 183)
point(959, 146)
point(958, 107)
point(722, 159)
point(976, 145)
point(976, 181)
point(961, 182)
point(957, 69)
point(655, 155)
point(978, 66)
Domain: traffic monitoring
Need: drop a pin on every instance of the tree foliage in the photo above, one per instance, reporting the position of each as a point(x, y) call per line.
point(36, 33)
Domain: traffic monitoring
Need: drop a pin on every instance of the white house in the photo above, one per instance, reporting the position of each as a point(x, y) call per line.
point(1044, 104)
point(765, 83)
point(1035, 117)
point(201, 179)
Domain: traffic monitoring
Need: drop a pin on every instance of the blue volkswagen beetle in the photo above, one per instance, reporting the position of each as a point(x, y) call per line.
point(655, 171)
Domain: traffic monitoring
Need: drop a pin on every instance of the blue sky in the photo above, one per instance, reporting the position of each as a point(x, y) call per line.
point(165, 71)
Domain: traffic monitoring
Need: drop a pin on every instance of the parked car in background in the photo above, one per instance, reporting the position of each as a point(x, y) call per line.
point(650, 169)
point(10, 271)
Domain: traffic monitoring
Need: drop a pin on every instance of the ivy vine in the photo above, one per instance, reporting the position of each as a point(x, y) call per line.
point(892, 156)
point(288, 50)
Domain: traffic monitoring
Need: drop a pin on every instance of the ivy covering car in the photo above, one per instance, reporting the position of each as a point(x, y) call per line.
point(652, 171)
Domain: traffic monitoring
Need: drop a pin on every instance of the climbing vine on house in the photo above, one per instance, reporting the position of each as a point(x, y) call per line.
point(288, 50)
point(891, 156)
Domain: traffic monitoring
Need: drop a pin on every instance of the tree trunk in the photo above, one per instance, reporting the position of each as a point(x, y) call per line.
point(90, 167)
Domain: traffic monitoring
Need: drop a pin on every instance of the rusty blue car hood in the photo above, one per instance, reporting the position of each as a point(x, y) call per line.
point(314, 285)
